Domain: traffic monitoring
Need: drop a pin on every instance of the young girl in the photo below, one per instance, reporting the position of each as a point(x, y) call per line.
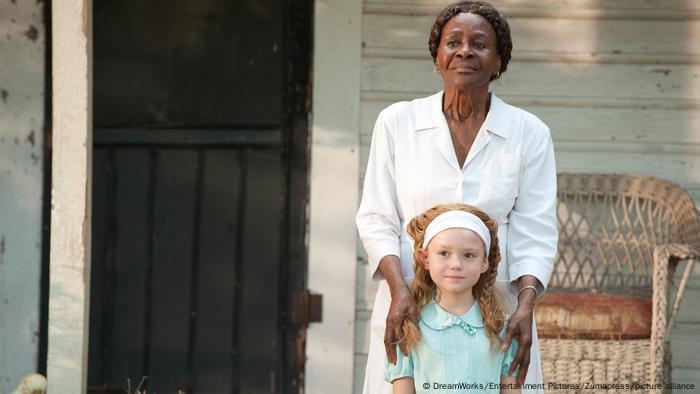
point(458, 346)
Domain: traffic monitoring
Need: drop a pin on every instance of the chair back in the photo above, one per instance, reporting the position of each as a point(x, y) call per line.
point(609, 225)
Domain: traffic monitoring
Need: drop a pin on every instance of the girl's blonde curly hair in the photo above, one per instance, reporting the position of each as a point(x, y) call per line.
point(423, 287)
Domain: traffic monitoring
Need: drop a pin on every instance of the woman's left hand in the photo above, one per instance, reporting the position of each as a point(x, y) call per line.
point(520, 328)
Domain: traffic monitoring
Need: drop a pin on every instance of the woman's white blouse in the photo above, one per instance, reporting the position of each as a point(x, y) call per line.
point(509, 173)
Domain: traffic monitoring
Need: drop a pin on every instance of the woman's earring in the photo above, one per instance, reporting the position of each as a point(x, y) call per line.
point(496, 75)
point(435, 70)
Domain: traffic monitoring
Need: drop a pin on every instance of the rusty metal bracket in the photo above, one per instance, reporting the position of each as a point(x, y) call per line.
point(307, 308)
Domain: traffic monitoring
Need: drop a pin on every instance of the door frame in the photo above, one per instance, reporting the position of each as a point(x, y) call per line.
point(334, 189)
point(298, 47)
point(66, 320)
point(71, 155)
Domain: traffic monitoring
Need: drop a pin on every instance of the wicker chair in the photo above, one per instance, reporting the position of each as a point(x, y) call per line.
point(620, 234)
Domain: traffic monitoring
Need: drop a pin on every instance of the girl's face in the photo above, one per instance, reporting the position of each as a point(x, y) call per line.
point(455, 259)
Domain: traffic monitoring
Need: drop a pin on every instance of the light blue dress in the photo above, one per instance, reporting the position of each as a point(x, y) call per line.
point(454, 355)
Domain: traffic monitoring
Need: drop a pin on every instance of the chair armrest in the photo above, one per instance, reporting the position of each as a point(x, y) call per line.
point(666, 258)
point(673, 253)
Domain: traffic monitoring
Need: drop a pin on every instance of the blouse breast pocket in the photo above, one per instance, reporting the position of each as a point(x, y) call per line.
point(504, 181)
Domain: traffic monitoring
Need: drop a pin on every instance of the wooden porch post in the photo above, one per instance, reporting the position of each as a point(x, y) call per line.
point(333, 200)
point(69, 287)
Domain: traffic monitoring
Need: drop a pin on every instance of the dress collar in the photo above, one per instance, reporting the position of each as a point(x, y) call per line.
point(496, 121)
point(439, 319)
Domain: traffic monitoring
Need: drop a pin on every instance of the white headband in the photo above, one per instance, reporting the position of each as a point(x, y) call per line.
point(458, 219)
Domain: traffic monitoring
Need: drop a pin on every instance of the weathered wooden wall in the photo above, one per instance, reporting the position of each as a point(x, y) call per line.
point(22, 46)
point(617, 81)
point(332, 195)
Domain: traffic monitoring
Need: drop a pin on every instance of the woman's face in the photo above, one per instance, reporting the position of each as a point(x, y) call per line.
point(467, 56)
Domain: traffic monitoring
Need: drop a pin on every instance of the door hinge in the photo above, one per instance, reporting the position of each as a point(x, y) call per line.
point(307, 308)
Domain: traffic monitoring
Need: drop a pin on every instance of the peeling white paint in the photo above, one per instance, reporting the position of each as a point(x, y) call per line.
point(21, 178)
point(334, 159)
point(69, 287)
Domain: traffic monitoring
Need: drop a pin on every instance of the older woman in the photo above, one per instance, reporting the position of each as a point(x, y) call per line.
point(463, 145)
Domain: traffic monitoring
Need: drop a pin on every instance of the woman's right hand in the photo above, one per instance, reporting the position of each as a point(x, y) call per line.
point(403, 306)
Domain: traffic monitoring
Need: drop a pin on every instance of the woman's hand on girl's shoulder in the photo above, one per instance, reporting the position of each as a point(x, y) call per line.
point(403, 307)
point(520, 329)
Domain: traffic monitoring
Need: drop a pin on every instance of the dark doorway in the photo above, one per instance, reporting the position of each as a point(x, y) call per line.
point(199, 194)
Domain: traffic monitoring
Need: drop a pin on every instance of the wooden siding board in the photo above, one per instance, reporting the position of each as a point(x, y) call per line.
point(213, 341)
point(130, 266)
point(684, 346)
point(624, 81)
point(559, 101)
point(610, 9)
point(360, 362)
point(650, 127)
point(259, 283)
point(171, 269)
point(553, 36)
point(333, 193)
point(685, 375)
point(684, 351)
point(100, 215)
point(362, 317)
point(603, 4)
point(680, 168)
point(22, 99)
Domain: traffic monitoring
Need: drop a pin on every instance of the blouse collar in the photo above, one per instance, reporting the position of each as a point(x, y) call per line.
point(497, 119)
point(439, 319)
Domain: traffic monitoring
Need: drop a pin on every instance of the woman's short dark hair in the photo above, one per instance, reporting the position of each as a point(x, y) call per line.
point(487, 11)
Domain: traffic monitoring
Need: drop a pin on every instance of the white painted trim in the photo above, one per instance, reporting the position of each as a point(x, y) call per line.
point(69, 287)
point(333, 199)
